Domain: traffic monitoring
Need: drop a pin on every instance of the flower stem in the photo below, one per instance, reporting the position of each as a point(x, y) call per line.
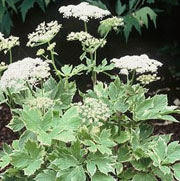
point(11, 102)
point(10, 56)
point(85, 27)
point(94, 75)
point(53, 63)
point(133, 76)
point(29, 87)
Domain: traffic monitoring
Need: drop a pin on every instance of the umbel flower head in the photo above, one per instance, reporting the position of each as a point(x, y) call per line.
point(43, 34)
point(7, 43)
point(110, 23)
point(24, 71)
point(39, 103)
point(141, 64)
point(147, 78)
point(89, 43)
point(83, 11)
point(93, 110)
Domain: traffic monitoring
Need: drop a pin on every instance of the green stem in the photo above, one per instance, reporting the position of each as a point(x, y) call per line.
point(85, 27)
point(94, 75)
point(133, 76)
point(42, 87)
point(29, 87)
point(11, 102)
point(10, 56)
point(53, 63)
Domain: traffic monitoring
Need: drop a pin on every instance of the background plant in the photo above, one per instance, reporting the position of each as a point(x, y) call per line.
point(105, 136)
point(9, 7)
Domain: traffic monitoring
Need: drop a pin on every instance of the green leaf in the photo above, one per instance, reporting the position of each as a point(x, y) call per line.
point(119, 168)
point(103, 163)
point(121, 106)
point(166, 170)
point(119, 8)
point(173, 153)
point(102, 177)
point(145, 131)
point(25, 6)
point(12, 4)
point(103, 143)
point(4, 161)
point(78, 174)
point(129, 173)
point(16, 124)
point(97, 3)
point(176, 169)
point(49, 175)
point(161, 175)
point(144, 177)
point(66, 69)
point(65, 162)
point(130, 22)
point(132, 3)
point(143, 13)
point(161, 149)
point(6, 22)
point(141, 164)
point(91, 167)
point(123, 137)
point(75, 174)
point(124, 154)
point(29, 159)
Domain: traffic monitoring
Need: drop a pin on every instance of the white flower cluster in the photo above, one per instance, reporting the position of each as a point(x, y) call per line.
point(83, 11)
point(44, 33)
point(93, 110)
point(112, 23)
point(89, 42)
point(7, 43)
point(141, 64)
point(3, 66)
point(27, 70)
point(39, 103)
point(147, 78)
point(80, 36)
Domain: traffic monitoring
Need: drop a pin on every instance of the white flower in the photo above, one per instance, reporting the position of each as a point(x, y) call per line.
point(27, 70)
point(44, 33)
point(140, 64)
point(83, 11)
point(93, 110)
point(39, 103)
point(112, 23)
point(89, 43)
point(7, 43)
point(40, 52)
point(124, 71)
point(80, 36)
point(147, 78)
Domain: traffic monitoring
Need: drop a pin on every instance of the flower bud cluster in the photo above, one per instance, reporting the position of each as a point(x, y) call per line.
point(7, 43)
point(44, 33)
point(147, 78)
point(39, 103)
point(28, 70)
point(113, 22)
point(93, 110)
point(40, 52)
point(88, 42)
point(141, 64)
point(83, 11)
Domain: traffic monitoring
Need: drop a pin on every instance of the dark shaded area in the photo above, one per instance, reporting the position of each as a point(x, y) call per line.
point(161, 44)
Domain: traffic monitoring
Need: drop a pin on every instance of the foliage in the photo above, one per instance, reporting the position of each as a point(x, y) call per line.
point(9, 7)
point(60, 141)
point(136, 14)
